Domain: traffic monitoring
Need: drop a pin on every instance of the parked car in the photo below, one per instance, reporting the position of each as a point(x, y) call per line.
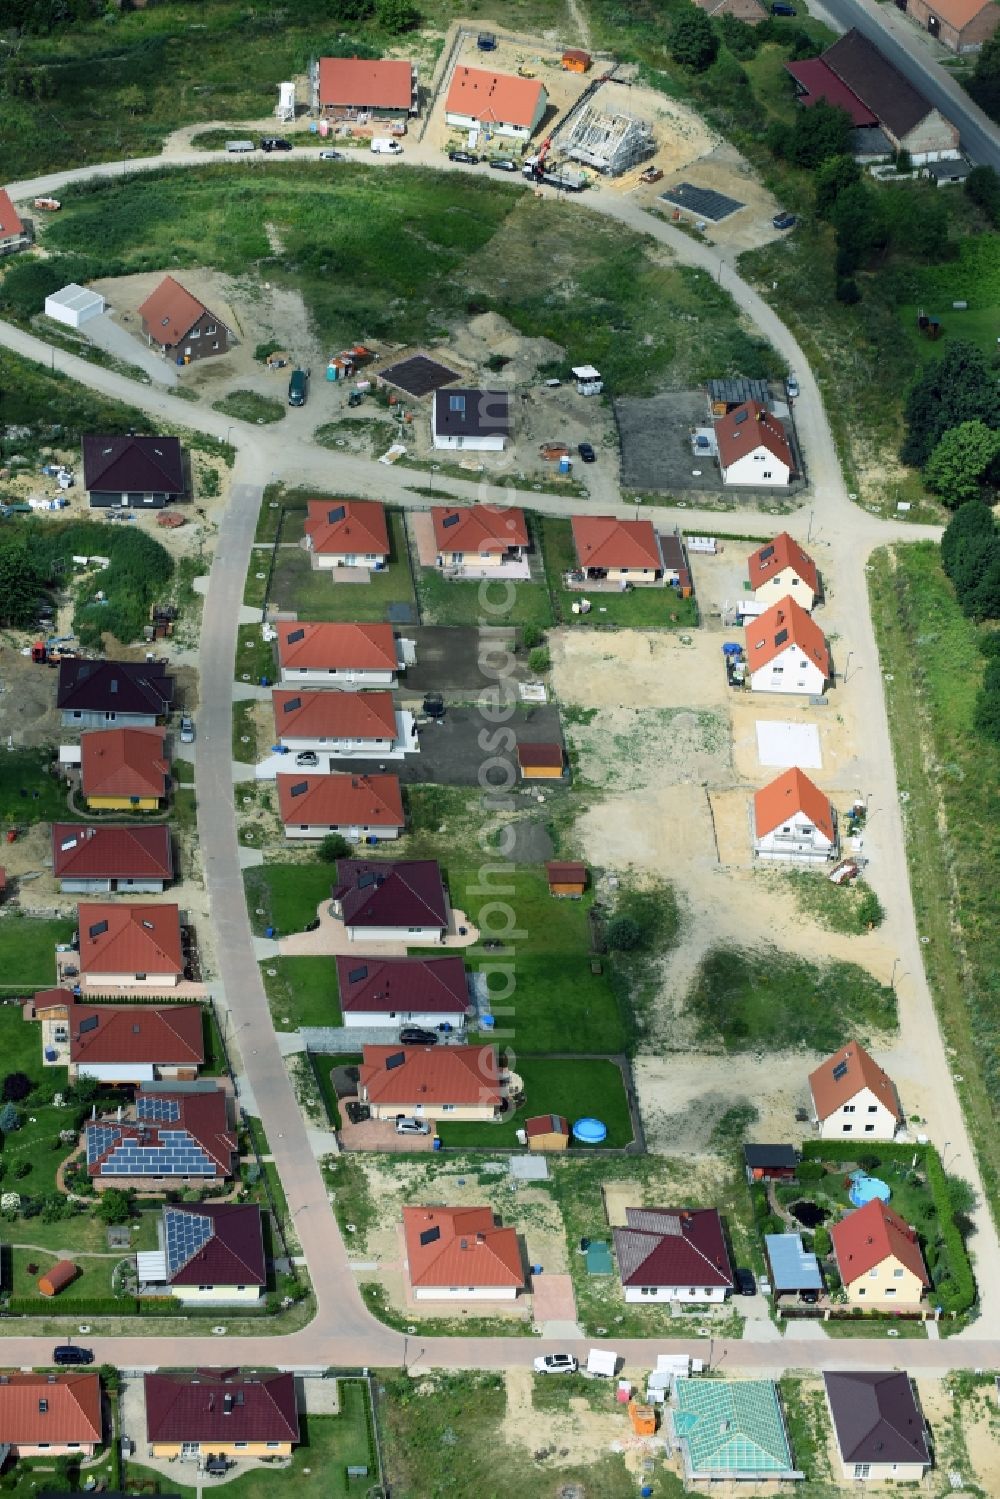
point(307, 759)
point(69, 1353)
point(792, 387)
point(504, 164)
point(187, 729)
point(331, 156)
point(469, 157)
point(275, 143)
point(587, 453)
point(781, 9)
point(746, 1285)
point(405, 1126)
point(556, 1363)
point(809, 1298)
point(383, 145)
point(298, 387)
point(414, 1035)
point(784, 220)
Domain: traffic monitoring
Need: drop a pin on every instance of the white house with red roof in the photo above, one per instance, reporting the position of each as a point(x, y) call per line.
point(133, 946)
point(355, 806)
point(461, 1254)
point(782, 569)
point(793, 819)
point(340, 655)
point(673, 1254)
point(351, 87)
point(347, 533)
point(463, 1083)
point(13, 235)
point(753, 448)
point(500, 102)
point(343, 725)
point(617, 551)
point(786, 651)
point(481, 541)
point(393, 992)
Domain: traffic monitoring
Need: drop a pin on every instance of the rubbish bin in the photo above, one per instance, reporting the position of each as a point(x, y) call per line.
point(269, 931)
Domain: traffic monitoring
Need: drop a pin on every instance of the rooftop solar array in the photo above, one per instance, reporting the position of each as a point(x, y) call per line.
point(185, 1234)
point(419, 376)
point(176, 1154)
point(100, 1137)
point(157, 1110)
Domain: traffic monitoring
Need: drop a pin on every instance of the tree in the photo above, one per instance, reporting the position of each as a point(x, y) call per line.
point(956, 468)
point(984, 85)
point(847, 291)
point(987, 714)
point(983, 186)
point(818, 134)
point(332, 848)
point(624, 934)
point(10, 1119)
point(857, 219)
point(693, 42)
point(531, 635)
point(968, 521)
point(16, 1085)
point(917, 218)
point(740, 39)
point(115, 1205)
point(397, 16)
point(822, 1243)
point(540, 659)
point(833, 176)
point(20, 579)
point(958, 387)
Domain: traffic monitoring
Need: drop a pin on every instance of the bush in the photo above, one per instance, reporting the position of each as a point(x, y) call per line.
point(692, 41)
point(847, 291)
point(822, 1242)
point(983, 186)
point(810, 1171)
point(16, 1086)
point(624, 934)
point(540, 660)
point(21, 1170)
point(531, 635)
point(116, 1206)
point(333, 847)
point(10, 1119)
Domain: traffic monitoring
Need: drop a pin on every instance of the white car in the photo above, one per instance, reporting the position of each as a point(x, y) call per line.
point(556, 1363)
point(307, 758)
point(792, 387)
point(406, 1126)
point(187, 729)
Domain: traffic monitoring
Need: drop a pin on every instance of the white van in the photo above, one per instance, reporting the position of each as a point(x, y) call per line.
point(237, 148)
point(384, 146)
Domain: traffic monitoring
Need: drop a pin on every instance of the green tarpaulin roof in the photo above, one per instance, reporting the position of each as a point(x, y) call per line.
point(732, 1426)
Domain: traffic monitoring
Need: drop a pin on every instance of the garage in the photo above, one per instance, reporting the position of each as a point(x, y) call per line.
point(74, 305)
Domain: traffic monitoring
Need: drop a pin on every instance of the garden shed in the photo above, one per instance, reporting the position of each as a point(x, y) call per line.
point(62, 1274)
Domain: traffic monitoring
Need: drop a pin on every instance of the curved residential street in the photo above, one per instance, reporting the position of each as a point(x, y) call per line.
point(343, 1332)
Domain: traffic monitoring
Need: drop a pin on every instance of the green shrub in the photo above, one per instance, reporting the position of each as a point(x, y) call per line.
point(531, 635)
point(540, 660)
point(822, 1242)
point(810, 1171)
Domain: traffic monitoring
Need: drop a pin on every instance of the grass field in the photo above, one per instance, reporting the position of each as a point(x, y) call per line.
point(769, 1000)
point(405, 254)
point(852, 909)
point(28, 793)
point(285, 896)
point(640, 609)
point(314, 594)
point(972, 277)
point(931, 654)
point(27, 954)
point(302, 991)
point(573, 1088)
point(256, 658)
point(249, 406)
point(33, 1144)
point(444, 601)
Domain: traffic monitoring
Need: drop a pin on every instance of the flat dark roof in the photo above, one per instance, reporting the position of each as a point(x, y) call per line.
point(770, 1155)
point(419, 376)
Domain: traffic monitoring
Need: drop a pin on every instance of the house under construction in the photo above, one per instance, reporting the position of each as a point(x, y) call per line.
point(609, 141)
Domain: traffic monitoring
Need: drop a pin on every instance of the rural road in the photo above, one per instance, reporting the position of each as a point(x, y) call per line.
point(903, 44)
point(343, 1332)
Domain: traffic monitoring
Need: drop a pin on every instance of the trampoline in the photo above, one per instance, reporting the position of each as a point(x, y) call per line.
point(868, 1189)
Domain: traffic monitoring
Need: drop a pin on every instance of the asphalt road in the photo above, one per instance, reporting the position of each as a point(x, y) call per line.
point(342, 1331)
point(902, 43)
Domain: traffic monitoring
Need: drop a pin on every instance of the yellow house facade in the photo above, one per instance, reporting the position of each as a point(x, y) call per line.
point(216, 1295)
point(124, 803)
point(879, 1258)
point(887, 1284)
point(239, 1451)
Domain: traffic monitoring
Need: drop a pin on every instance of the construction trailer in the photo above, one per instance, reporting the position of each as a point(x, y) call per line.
point(610, 141)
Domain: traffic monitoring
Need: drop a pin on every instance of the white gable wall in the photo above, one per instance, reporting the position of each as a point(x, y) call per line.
point(789, 671)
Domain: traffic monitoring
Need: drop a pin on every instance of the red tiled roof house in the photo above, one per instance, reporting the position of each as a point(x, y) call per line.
point(339, 655)
point(130, 946)
point(793, 819)
point(427, 992)
point(347, 533)
point(461, 1254)
point(350, 88)
point(359, 808)
point(176, 1139)
point(51, 1415)
point(181, 326)
point(753, 448)
point(617, 551)
point(852, 1096)
point(786, 651)
point(124, 770)
point(481, 541)
point(13, 235)
point(359, 724)
point(673, 1254)
point(225, 1413)
point(97, 860)
point(432, 1082)
point(505, 104)
point(128, 1044)
point(783, 570)
point(879, 1258)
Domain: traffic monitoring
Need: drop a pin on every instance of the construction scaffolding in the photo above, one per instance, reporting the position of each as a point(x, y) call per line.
point(609, 141)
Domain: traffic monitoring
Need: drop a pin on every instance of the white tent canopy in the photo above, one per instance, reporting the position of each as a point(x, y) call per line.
point(603, 1362)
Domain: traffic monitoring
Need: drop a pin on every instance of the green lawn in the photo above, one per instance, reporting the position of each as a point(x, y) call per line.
point(972, 277)
point(302, 991)
point(256, 658)
point(850, 908)
point(285, 896)
point(873, 1327)
point(315, 594)
point(446, 601)
point(642, 608)
point(35, 1145)
point(244, 727)
point(766, 1000)
point(572, 1088)
point(930, 655)
point(27, 955)
point(94, 1280)
point(28, 792)
point(249, 406)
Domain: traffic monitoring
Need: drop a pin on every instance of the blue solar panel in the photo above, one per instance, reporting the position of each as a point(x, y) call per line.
point(157, 1109)
point(185, 1234)
point(100, 1137)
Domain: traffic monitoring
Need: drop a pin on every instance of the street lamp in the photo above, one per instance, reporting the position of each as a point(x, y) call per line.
point(847, 667)
point(892, 979)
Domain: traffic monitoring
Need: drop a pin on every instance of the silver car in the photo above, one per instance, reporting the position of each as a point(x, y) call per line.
point(405, 1126)
point(187, 729)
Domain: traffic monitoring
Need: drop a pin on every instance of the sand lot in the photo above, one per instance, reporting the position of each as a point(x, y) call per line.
point(637, 669)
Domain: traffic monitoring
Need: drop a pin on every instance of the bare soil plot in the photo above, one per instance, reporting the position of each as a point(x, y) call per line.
point(682, 1094)
point(841, 742)
point(638, 669)
point(631, 749)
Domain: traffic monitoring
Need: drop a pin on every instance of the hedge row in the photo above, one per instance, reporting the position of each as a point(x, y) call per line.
point(960, 1295)
point(123, 1306)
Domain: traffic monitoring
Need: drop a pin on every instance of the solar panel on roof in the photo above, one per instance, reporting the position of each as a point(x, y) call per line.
point(740, 416)
point(90, 1024)
point(839, 1071)
point(765, 553)
point(296, 635)
point(185, 1234)
point(429, 1235)
point(293, 704)
point(450, 520)
point(396, 1060)
point(299, 787)
point(357, 974)
point(157, 1110)
point(97, 929)
point(781, 637)
point(336, 514)
point(364, 880)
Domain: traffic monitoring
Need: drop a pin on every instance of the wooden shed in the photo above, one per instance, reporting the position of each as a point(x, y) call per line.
point(566, 878)
point(540, 762)
point(58, 1278)
point(575, 60)
point(547, 1132)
